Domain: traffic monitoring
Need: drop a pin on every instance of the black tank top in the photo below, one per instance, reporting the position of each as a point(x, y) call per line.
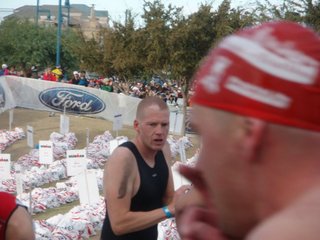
point(153, 184)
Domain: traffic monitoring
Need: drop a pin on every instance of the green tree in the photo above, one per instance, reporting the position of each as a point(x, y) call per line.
point(189, 41)
point(24, 44)
point(72, 46)
point(159, 23)
point(193, 36)
point(312, 13)
point(89, 55)
point(107, 42)
point(302, 11)
point(291, 10)
point(227, 20)
point(122, 49)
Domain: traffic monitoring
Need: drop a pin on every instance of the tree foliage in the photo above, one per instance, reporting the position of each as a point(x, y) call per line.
point(122, 49)
point(24, 44)
point(302, 11)
point(167, 43)
point(159, 25)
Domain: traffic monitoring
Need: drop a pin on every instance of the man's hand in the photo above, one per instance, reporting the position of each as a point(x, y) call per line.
point(198, 223)
point(177, 195)
point(198, 184)
point(195, 216)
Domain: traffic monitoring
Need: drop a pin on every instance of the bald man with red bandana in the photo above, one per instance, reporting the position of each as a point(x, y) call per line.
point(257, 109)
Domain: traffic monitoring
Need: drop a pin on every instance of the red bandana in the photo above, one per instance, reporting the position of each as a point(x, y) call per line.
point(269, 72)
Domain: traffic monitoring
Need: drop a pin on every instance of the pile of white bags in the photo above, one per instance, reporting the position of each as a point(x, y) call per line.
point(53, 197)
point(80, 222)
point(8, 185)
point(61, 143)
point(9, 137)
point(98, 150)
point(36, 175)
point(167, 230)
point(174, 144)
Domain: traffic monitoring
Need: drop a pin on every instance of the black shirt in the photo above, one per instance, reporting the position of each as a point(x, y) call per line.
point(153, 185)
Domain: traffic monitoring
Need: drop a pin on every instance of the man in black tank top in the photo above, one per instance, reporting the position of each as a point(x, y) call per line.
point(138, 183)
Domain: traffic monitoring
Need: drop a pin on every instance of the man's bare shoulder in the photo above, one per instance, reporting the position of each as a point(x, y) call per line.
point(120, 173)
point(20, 226)
point(121, 156)
point(300, 220)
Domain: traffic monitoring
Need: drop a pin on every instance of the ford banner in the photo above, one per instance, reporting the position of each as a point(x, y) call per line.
point(71, 100)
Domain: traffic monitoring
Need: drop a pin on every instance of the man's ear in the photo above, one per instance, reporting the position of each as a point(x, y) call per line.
point(135, 124)
point(254, 130)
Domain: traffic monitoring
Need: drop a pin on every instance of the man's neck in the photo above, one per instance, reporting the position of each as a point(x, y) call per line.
point(147, 153)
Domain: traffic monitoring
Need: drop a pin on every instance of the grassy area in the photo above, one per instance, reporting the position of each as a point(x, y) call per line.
point(55, 211)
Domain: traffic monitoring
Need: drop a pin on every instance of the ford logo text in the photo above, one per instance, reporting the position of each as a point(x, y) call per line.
point(72, 100)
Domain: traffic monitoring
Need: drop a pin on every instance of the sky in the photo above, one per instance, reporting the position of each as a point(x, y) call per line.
point(116, 8)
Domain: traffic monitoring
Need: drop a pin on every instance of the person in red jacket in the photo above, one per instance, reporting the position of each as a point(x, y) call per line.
point(15, 220)
point(49, 76)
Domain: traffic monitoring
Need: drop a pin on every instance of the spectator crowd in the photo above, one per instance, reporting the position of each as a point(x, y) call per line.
point(169, 90)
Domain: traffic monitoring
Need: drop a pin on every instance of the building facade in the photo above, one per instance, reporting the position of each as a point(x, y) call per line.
point(81, 16)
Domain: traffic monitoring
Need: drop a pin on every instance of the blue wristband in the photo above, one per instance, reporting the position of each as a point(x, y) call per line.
point(167, 212)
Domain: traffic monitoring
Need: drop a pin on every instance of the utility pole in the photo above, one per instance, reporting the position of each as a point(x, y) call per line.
point(37, 15)
point(67, 5)
point(59, 34)
point(38, 10)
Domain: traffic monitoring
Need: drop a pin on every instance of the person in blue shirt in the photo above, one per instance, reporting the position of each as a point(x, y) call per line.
point(83, 81)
